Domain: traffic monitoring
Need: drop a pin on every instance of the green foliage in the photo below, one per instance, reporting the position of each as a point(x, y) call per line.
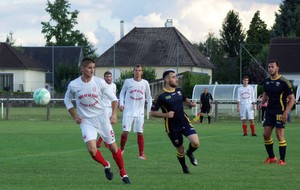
point(149, 74)
point(286, 20)
point(232, 34)
point(61, 26)
point(10, 40)
point(64, 73)
point(189, 80)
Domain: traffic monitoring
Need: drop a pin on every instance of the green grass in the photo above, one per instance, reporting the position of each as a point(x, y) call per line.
point(40, 154)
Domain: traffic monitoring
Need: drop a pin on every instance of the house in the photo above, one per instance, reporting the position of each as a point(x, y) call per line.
point(287, 52)
point(161, 48)
point(19, 72)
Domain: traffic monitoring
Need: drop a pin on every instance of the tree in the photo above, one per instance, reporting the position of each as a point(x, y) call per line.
point(59, 31)
point(232, 34)
point(10, 39)
point(297, 21)
point(286, 20)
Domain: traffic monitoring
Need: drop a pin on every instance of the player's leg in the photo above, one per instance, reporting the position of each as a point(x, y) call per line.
point(250, 112)
point(282, 144)
point(177, 141)
point(193, 146)
point(139, 130)
point(126, 127)
point(243, 119)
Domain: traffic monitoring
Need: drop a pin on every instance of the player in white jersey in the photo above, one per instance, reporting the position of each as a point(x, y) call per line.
point(246, 105)
point(90, 113)
point(134, 93)
point(107, 103)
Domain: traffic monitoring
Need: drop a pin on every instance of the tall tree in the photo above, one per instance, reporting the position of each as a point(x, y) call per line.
point(286, 20)
point(60, 30)
point(298, 21)
point(10, 39)
point(232, 34)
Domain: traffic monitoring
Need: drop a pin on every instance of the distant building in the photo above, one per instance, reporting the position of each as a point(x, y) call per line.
point(160, 48)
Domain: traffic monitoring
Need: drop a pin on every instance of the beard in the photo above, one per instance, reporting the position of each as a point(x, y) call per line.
point(173, 85)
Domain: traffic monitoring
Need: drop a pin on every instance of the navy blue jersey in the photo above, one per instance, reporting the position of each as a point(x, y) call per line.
point(277, 91)
point(206, 99)
point(172, 101)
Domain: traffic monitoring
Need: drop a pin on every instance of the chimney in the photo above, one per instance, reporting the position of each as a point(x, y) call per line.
point(169, 23)
point(121, 29)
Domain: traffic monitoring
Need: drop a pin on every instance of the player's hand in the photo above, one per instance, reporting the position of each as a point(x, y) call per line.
point(193, 104)
point(238, 109)
point(170, 114)
point(77, 119)
point(113, 119)
point(259, 106)
point(121, 108)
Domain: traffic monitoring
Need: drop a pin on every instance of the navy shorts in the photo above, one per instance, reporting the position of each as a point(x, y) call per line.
point(176, 135)
point(273, 119)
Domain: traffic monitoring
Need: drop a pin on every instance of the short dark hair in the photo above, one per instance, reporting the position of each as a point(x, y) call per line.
point(274, 61)
point(85, 61)
point(137, 66)
point(245, 77)
point(107, 73)
point(166, 73)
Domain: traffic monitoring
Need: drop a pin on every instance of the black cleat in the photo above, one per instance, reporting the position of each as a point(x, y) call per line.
point(126, 180)
point(185, 170)
point(254, 135)
point(108, 173)
point(192, 158)
point(245, 135)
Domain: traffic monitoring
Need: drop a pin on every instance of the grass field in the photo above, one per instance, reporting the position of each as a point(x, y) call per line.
point(39, 154)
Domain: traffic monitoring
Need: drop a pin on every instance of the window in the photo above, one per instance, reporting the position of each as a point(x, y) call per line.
point(6, 81)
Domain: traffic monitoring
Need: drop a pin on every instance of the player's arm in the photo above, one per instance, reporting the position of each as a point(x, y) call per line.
point(69, 105)
point(289, 106)
point(263, 100)
point(189, 103)
point(169, 114)
point(122, 96)
point(148, 97)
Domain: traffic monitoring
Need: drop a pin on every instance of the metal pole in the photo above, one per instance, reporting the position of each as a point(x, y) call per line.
point(240, 63)
point(53, 71)
point(114, 74)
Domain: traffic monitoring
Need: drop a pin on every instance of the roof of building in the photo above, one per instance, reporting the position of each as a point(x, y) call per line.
point(287, 52)
point(11, 58)
point(54, 55)
point(164, 46)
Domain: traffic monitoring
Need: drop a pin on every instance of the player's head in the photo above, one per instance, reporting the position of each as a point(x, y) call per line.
point(273, 67)
point(87, 67)
point(245, 80)
point(137, 72)
point(108, 77)
point(205, 90)
point(170, 78)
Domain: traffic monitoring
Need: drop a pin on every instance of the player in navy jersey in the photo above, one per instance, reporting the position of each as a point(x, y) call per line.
point(277, 90)
point(177, 123)
point(206, 100)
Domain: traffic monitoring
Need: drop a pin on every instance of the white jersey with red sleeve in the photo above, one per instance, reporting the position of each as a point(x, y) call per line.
point(133, 96)
point(245, 95)
point(88, 96)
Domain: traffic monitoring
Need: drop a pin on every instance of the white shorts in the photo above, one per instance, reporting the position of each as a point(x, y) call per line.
point(246, 111)
point(137, 122)
point(91, 127)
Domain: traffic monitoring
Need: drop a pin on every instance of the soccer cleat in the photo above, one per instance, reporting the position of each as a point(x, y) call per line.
point(281, 162)
point(142, 156)
point(192, 158)
point(126, 180)
point(245, 135)
point(270, 160)
point(108, 173)
point(185, 170)
point(254, 135)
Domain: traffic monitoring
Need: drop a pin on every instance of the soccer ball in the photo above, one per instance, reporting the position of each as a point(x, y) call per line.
point(41, 96)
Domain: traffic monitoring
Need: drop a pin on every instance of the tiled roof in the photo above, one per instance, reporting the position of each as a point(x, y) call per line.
point(287, 52)
point(10, 58)
point(153, 47)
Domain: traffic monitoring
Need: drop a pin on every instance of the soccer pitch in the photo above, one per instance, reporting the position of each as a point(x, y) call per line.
point(39, 154)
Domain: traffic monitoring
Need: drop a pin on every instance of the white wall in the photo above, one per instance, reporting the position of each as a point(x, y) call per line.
point(30, 80)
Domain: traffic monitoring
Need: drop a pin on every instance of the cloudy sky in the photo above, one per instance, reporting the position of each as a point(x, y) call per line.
point(100, 20)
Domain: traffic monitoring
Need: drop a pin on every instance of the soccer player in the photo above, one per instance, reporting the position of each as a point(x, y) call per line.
point(276, 90)
point(106, 101)
point(88, 91)
point(177, 123)
point(246, 105)
point(134, 93)
point(205, 105)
